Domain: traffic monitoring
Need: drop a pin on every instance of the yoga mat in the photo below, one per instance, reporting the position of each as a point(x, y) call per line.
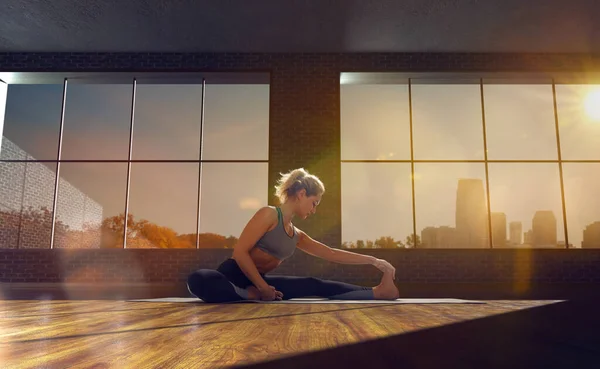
point(321, 301)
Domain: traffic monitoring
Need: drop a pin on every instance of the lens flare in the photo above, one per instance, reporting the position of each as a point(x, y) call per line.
point(592, 104)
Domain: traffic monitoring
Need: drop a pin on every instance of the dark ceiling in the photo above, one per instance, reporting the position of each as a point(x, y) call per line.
point(300, 26)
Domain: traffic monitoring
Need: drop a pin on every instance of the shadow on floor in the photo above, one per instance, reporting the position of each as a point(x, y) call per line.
point(560, 335)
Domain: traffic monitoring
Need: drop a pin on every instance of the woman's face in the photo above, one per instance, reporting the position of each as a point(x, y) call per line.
point(307, 205)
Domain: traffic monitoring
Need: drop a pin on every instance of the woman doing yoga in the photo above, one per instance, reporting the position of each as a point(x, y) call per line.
point(269, 238)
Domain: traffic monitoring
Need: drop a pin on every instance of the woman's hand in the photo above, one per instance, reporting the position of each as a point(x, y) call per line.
point(269, 293)
point(385, 267)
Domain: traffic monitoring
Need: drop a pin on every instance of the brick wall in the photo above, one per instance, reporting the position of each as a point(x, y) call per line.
point(305, 122)
point(26, 189)
point(413, 266)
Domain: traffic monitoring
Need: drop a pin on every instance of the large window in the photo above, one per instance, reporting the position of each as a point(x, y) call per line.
point(469, 161)
point(150, 161)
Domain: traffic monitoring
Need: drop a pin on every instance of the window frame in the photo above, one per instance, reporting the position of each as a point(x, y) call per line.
point(134, 79)
point(481, 79)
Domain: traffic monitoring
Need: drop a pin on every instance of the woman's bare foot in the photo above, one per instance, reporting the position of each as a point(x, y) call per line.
point(386, 290)
point(253, 293)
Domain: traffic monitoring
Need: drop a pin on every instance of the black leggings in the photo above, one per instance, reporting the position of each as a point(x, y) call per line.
point(228, 284)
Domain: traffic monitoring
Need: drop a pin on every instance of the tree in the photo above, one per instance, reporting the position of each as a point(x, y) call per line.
point(30, 228)
point(111, 231)
point(145, 234)
point(213, 241)
point(161, 237)
point(230, 242)
point(387, 242)
point(410, 241)
point(188, 240)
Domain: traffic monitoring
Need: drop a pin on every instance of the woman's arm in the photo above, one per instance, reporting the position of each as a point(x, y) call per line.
point(254, 230)
point(318, 249)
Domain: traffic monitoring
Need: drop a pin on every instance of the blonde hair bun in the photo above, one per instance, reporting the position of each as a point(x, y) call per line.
point(296, 180)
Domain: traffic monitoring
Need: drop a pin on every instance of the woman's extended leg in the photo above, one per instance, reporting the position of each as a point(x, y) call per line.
point(212, 286)
point(295, 287)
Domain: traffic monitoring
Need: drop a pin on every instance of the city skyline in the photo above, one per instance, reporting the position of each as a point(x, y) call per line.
point(446, 124)
point(470, 229)
point(471, 219)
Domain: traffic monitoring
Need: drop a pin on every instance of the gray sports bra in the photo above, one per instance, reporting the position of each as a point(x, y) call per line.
point(277, 242)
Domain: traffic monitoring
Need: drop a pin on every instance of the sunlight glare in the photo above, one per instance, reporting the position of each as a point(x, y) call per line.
point(592, 104)
point(250, 203)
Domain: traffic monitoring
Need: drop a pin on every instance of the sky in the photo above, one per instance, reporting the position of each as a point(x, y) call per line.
point(167, 127)
point(375, 124)
point(447, 124)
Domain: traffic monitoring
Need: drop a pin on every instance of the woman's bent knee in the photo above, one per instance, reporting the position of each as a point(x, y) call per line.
point(199, 280)
point(211, 286)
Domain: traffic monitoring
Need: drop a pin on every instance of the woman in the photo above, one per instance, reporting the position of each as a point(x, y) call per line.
point(269, 238)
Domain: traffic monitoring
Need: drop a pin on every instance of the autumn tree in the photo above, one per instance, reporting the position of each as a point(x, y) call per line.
point(387, 242)
point(410, 241)
point(145, 234)
point(213, 240)
point(30, 228)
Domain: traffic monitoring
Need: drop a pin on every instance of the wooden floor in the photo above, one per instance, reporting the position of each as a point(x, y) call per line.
point(121, 334)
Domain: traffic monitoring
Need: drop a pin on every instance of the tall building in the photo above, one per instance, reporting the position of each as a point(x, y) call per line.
point(447, 237)
point(516, 233)
point(544, 229)
point(438, 237)
point(591, 236)
point(428, 237)
point(528, 238)
point(471, 214)
point(498, 229)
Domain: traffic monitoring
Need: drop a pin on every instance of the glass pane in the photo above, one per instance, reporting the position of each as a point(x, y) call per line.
point(582, 182)
point(231, 194)
point(578, 109)
point(163, 204)
point(32, 122)
point(451, 205)
point(26, 203)
point(167, 122)
point(529, 194)
point(236, 122)
point(520, 122)
point(91, 204)
point(376, 205)
point(375, 122)
point(97, 121)
point(447, 122)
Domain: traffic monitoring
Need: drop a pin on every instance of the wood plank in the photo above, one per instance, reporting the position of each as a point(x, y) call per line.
point(104, 333)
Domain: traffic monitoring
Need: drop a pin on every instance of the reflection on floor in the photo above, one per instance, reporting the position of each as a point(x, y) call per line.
point(126, 334)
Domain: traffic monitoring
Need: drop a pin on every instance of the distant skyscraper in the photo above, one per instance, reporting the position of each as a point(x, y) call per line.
point(471, 214)
point(528, 238)
point(447, 237)
point(516, 232)
point(498, 229)
point(591, 236)
point(544, 229)
point(438, 237)
point(428, 237)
